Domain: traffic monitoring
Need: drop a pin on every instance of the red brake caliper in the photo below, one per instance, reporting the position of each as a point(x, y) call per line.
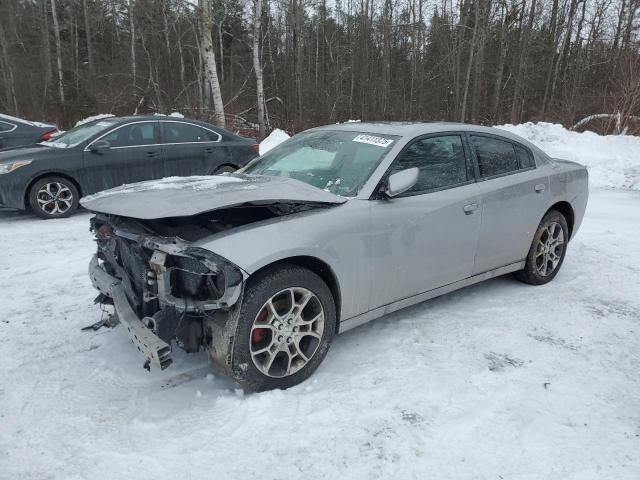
point(259, 334)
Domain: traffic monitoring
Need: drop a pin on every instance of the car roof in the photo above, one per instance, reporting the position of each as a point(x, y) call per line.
point(133, 118)
point(410, 130)
point(22, 122)
point(169, 118)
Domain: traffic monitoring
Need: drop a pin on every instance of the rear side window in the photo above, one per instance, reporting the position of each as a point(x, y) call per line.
point(441, 162)
point(6, 127)
point(175, 132)
point(495, 157)
point(133, 135)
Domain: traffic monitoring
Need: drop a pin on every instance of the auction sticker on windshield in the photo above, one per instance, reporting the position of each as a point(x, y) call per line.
point(373, 140)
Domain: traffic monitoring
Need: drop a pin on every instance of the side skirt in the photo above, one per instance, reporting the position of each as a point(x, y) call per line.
point(363, 318)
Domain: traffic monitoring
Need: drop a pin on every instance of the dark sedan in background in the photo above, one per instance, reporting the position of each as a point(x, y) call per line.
point(16, 132)
point(50, 177)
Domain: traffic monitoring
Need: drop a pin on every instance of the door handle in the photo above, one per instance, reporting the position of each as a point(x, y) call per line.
point(151, 154)
point(469, 209)
point(208, 150)
point(541, 187)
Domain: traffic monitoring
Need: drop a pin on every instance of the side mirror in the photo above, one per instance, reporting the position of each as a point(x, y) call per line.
point(99, 146)
point(400, 182)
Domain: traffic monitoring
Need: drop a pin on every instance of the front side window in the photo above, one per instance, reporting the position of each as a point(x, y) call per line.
point(441, 161)
point(495, 157)
point(337, 161)
point(133, 135)
point(175, 132)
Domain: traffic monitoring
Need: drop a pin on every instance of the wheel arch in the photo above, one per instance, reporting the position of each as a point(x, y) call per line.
point(320, 268)
point(25, 196)
point(225, 164)
point(567, 211)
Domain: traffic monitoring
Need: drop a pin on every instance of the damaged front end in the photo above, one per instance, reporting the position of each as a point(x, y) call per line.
point(164, 290)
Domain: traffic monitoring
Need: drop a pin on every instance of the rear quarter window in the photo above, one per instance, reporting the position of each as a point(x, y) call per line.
point(525, 157)
point(6, 127)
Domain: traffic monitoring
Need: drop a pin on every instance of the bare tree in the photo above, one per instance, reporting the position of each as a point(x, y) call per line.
point(132, 48)
point(317, 62)
point(56, 32)
point(257, 66)
point(473, 47)
point(516, 105)
point(208, 54)
point(7, 73)
point(89, 40)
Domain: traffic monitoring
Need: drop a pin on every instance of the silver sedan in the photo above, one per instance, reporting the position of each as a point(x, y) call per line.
point(331, 229)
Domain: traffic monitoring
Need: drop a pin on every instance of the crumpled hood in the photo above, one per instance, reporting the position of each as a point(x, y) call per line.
point(186, 196)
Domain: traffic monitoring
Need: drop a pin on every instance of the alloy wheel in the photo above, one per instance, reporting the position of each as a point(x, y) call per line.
point(54, 198)
point(549, 249)
point(286, 332)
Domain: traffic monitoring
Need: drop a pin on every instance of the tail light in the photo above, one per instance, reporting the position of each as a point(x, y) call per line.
point(256, 148)
point(48, 135)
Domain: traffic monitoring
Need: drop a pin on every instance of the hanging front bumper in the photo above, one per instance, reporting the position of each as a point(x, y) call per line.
point(156, 351)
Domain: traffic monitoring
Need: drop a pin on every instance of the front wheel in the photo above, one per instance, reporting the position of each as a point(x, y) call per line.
point(53, 197)
point(547, 250)
point(287, 322)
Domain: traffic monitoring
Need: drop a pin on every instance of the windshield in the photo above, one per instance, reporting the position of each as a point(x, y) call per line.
point(79, 134)
point(336, 161)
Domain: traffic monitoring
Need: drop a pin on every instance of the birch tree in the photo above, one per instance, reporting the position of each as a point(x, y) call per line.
point(208, 54)
point(56, 32)
point(257, 66)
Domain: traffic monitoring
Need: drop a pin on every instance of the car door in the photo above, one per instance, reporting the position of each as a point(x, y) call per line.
point(133, 154)
point(513, 200)
point(426, 237)
point(189, 149)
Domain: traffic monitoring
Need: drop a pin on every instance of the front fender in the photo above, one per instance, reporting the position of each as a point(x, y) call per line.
point(336, 236)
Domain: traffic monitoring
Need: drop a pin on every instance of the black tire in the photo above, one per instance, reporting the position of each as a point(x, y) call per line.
point(58, 207)
point(258, 291)
point(531, 273)
point(225, 169)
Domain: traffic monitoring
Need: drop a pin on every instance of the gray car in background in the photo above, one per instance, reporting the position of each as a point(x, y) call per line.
point(333, 228)
point(17, 132)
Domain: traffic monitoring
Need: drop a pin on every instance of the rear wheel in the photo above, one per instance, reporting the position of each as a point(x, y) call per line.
point(225, 169)
point(286, 324)
point(53, 197)
point(547, 250)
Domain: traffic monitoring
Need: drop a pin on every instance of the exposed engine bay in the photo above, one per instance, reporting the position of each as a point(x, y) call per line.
point(181, 293)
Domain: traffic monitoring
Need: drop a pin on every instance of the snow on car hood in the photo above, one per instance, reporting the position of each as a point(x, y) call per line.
point(185, 196)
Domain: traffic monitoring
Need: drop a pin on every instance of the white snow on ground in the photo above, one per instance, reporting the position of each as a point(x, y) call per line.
point(100, 116)
point(274, 139)
point(612, 159)
point(498, 380)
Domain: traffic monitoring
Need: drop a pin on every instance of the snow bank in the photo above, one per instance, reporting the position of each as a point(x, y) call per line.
point(173, 114)
point(94, 117)
point(273, 140)
point(613, 160)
